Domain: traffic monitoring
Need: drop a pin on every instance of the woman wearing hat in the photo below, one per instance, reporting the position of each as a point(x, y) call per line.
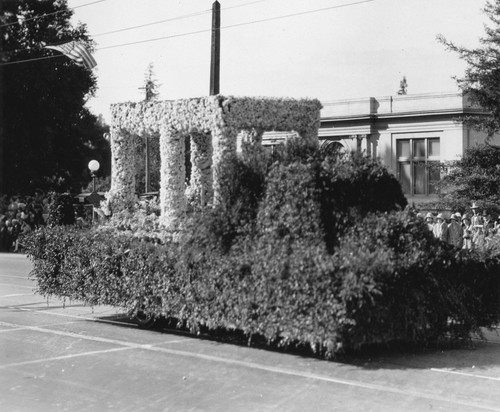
point(429, 219)
point(456, 231)
point(441, 228)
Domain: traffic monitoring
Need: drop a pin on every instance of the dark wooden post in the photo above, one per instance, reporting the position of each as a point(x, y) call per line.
point(2, 159)
point(149, 95)
point(146, 171)
point(215, 54)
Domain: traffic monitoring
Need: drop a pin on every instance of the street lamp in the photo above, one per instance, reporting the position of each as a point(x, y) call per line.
point(94, 197)
point(93, 167)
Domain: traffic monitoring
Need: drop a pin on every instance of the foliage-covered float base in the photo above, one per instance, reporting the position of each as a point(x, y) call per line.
point(394, 283)
point(305, 250)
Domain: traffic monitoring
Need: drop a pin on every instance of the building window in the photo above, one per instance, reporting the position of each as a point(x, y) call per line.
point(332, 147)
point(418, 165)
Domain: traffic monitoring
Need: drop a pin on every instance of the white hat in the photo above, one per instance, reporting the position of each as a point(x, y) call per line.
point(457, 215)
point(429, 215)
point(440, 216)
point(474, 206)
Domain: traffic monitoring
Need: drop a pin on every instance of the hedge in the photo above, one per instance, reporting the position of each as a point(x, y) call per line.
point(387, 281)
point(304, 250)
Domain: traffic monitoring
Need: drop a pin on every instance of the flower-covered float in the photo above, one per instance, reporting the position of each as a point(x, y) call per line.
point(213, 124)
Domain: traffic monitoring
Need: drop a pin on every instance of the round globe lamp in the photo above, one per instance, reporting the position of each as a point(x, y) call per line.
point(93, 167)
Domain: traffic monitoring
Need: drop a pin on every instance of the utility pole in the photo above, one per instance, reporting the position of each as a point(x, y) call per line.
point(151, 93)
point(147, 185)
point(2, 159)
point(215, 54)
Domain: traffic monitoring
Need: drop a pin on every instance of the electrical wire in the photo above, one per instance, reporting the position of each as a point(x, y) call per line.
point(185, 16)
point(146, 24)
point(236, 25)
point(48, 14)
point(171, 19)
point(208, 30)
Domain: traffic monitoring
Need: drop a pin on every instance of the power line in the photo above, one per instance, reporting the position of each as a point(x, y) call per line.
point(156, 39)
point(172, 19)
point(298, 14)
point(237, 24)
point(152, 23)
point(142, 25)
point(48, 14)
point(208, 30)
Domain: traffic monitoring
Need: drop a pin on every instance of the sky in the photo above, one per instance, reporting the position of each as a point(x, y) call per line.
point(325, 49)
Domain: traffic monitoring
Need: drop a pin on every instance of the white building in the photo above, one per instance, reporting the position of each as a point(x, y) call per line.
point(407, 132)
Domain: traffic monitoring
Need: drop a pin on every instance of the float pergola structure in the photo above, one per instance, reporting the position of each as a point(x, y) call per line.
point(213, 124)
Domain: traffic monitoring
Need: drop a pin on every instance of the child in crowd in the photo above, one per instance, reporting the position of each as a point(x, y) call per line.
point(440, 229)
point(467, 232)
point(429, 219)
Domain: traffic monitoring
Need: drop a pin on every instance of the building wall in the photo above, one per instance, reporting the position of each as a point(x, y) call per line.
point(380, 122)
point(374, 125)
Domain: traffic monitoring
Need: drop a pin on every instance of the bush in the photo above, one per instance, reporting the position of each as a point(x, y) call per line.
point(404, 285)
point(389, 280)
point(352, 186)
point(303, 186)
point(235, 213)
point(61, 210)
point(290, 207)
point(307, 252)
point(391, 286)
point(473, 178)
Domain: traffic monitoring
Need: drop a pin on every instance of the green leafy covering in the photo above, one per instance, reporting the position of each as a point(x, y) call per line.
point(318, 254)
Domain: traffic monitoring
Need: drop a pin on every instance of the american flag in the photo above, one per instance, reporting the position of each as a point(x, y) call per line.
point(77, 52)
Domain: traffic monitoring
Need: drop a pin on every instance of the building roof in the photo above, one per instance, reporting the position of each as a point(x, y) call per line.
point(399, 105)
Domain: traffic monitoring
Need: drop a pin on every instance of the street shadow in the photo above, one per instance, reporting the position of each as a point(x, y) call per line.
point(471, 355)
point(474, 354)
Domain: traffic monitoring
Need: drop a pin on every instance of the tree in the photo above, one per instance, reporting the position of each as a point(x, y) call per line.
point(473, 178)
point(48, 136)
point(150, 84)
point(403, 86)
point(481, 81)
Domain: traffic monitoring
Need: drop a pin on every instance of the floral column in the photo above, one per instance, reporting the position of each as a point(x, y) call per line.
point(172, 176)
point(200, 191)
point(224, 150)
point(122, 193)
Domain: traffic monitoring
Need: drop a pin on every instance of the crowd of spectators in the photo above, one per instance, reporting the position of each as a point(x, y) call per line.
point(469, 231)
point(21, 214)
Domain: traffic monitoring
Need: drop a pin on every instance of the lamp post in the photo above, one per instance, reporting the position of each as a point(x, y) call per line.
point(94, 198)
point(93, 167)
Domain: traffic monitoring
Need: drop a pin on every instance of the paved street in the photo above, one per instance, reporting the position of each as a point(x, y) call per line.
point(75, 358)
